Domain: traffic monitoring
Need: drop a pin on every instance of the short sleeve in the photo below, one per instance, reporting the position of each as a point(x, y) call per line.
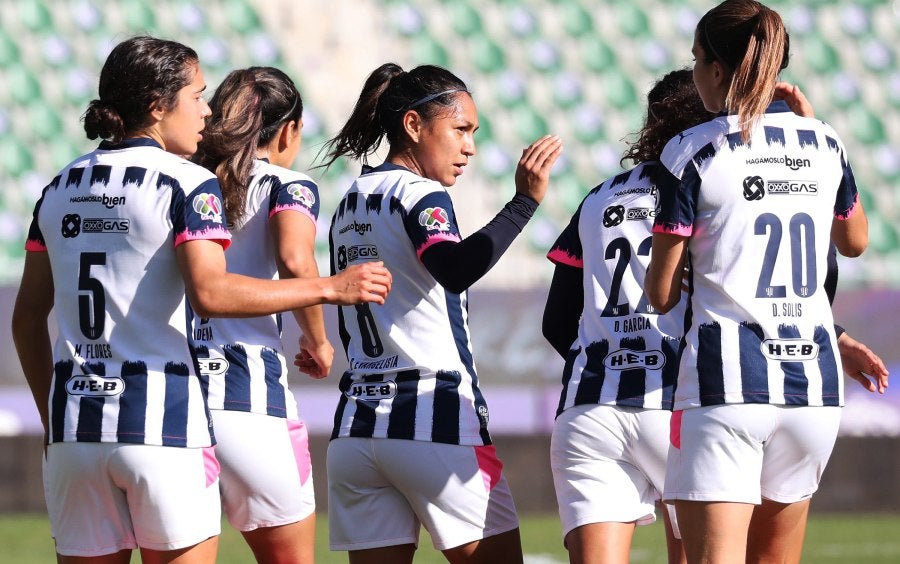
point(567, 249)
point(199, 215)
point(299, 195)
point(431, 220)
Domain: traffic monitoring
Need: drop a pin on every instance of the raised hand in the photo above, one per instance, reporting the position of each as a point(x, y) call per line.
point(533, 171)
point(795, 99)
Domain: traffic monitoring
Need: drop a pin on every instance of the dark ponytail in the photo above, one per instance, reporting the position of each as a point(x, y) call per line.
point(247, 110)
point(673, 106)
point(139, 73)
point(388, 93)
point(750, 40)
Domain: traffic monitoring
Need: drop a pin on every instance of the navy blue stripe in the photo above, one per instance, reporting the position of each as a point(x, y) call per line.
point(401, 421)
point(134, 175)
point(796, 384)
point(632, 382)
point(62, 373)
point(133, 403)
point(461, 338)
point(343, 386)
point(175, 416)
point(566, 378)
point(445, 425)
point(90, 408)
point(754, 368)
point(807, 137)
point(671, 349)
point(774, 135)
point(364, 418)
point(275, 398)
point(711, 380)
point(831, 391)
point(594, 373)
point(100, 174)
point(74, 177)
point(237, 379)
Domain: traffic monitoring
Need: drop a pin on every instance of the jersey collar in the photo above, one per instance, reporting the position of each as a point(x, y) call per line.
point(776, 107)
point(129, 143)
point(383, 167)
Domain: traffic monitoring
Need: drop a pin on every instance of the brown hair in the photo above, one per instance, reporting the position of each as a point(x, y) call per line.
point(750, 40)
point(138, 73)
point(247, 110)
point(387, 95)
point(673, 105)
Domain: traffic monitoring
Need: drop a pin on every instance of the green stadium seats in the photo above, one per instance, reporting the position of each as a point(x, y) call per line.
point(465, 19)
point(44, 121)
point(494, 160)
point(509, 89)
point(15, 157)
point(877, 55)
point(9, 51)
point(139, 15)
point(865, 126)
point(587, 124)
point(632, 20)
point(487, 56)
point(597, 55)
point(528, 124)
point(34, 15)
point(544, 56)
point(56, 50)
point(576, 20)
point(23, 86)
point(407, 20)
point(819, 55)
point(521, 22)
point(86, 16)
point(241, 16)
point(427, 51)
point(620, 91)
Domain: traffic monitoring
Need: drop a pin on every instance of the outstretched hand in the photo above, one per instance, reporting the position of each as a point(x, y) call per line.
point(361, 283)
point(795, 98)
point(533, 172)
point(861, 364)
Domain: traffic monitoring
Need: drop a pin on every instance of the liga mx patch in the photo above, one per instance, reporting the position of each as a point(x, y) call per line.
point(434, 219)
point(209, 207)
point(302, 194)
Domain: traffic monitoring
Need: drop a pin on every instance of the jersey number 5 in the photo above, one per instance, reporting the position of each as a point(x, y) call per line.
point(92, 304)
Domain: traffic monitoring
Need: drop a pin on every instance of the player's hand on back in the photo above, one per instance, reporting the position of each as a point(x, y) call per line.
point(361, 283)
point(533, 171)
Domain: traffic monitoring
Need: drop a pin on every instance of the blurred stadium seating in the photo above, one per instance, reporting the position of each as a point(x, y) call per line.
point(572, 67)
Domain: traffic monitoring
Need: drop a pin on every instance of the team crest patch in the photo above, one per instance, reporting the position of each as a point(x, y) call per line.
point(209, 207)
point(434, 219)
point(302, 194)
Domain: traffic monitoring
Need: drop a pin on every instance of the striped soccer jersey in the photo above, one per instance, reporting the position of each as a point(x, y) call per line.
point(124, 371)
point(411, 372)
point(243, 358)
point(759, 218)
point(626, 353)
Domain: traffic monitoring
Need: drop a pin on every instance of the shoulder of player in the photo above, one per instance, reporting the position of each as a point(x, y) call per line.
point(284, 175)
point(685, 146)
point(634, 181)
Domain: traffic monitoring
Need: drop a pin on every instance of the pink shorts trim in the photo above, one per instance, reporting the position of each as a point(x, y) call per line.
point(300, 443)
point(490, 466)
point(675, 428)
point(211, 465)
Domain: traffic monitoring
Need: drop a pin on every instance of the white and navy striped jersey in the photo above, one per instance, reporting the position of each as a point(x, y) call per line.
point(759, 218)
point(124, 369)
point(625, 353)
point(411, 374)
point(243, 358)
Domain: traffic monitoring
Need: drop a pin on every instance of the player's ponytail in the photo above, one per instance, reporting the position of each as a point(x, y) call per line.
point(750, 40)
point(387, 95)
point(139, 74)
point(673, 105)
point(248, 108)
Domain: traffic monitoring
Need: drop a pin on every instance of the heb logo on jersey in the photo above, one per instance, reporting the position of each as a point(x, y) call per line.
point(800, 187)
point(92, 385)
point(208, 206)
point(627, 359)
point(302, 194)
point(434, 219)
point(213, 366)
point(787, 350)
point(374, 391)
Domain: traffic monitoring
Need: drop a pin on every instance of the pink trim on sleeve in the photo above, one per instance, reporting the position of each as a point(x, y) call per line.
point(559, 256)
point(681, 230)
point(293, 207)
point(846, 215)
point(35, 245)
point(218, 234)
point(437, 238)
point(490, 466)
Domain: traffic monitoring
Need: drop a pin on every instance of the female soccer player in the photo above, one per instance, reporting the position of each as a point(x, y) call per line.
point(611, 434)
point(252, 136)
point(410, 442)
point(119, 239)
point(750, 202)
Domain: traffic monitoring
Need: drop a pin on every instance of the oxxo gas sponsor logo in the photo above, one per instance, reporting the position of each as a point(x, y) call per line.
point(786, 160)
point(104, 225)
point(92, 385)
point(213, 366)
point(374, 391)
point(797, 187)
point(639, 214)
point(347, 255)
point(627, 359)
point(787, 350)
